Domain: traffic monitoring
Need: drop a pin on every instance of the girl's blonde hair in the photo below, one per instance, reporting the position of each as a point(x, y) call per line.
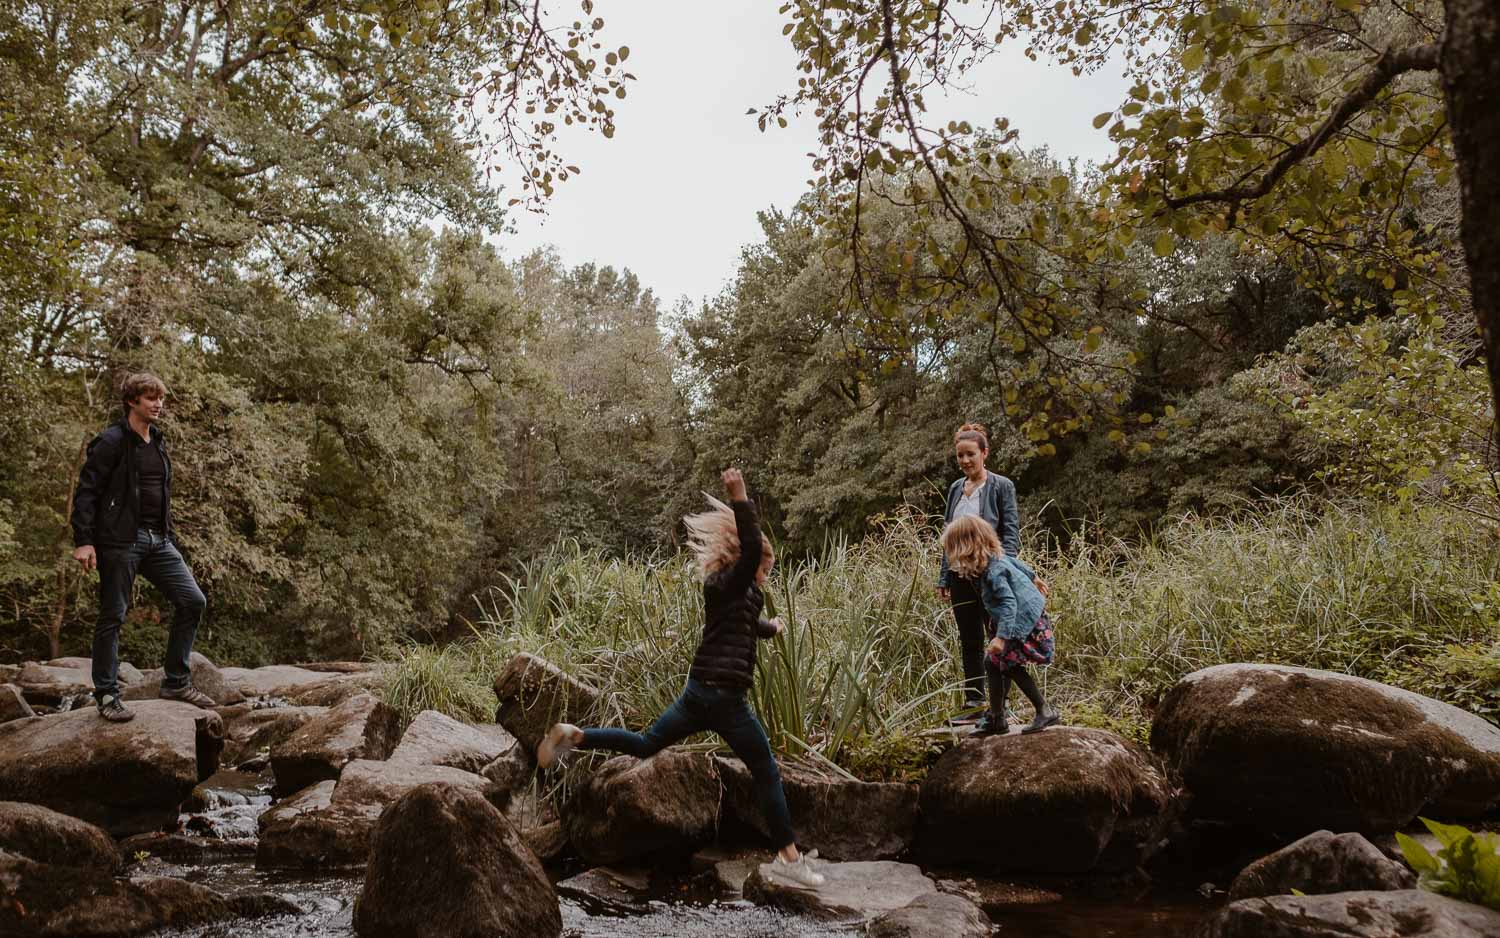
point(969, 543)
point(714, 537)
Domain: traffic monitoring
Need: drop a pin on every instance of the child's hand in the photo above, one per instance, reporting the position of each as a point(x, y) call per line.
point(778, 625)
point(734, 484)
point(1041, 587)
point(996, 645)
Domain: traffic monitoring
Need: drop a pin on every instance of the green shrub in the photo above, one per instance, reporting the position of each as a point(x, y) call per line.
point(1467, 865)
point(441, 679)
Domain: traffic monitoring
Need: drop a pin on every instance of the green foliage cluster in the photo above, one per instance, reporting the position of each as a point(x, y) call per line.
point(1466, 866)
point(868, 666)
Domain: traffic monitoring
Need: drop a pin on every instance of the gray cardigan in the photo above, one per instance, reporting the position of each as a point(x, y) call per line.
point(997, 505)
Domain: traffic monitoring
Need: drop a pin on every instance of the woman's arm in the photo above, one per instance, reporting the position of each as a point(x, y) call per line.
point(747, 526)
point(1009, 525)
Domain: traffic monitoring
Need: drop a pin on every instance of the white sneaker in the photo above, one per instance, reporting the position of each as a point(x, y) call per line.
point(799, 872)
point(558, 742)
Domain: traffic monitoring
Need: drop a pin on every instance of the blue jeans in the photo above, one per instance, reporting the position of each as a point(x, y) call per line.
point(153, 557)
point(725, 711)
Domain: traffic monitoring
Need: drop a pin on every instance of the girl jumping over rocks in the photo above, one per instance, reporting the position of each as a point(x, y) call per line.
point(1021, 632)
point(735, 559)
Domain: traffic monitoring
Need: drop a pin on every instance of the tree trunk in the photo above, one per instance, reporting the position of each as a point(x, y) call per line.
point(1471, 84)
point(60, 607)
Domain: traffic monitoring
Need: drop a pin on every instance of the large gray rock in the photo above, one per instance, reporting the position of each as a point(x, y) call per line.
point(844, 818)
point(534, 694)
point(269, 681)
point(445, 864)
point(632, 809)
point(41, 900)
point(1069, 800)
point(361, 727)
point(935, 915)
point(1292, 750)
point(1319, 863)
point(434, 738)
point(851, 891)
point(1411, 913)
point(249, 733)
point(13, 705)
point(378, 784)
point(308, 831)
point(126, 672)
point(125, 777)
point(206, 677)
point(46, 836)
point(53, 688)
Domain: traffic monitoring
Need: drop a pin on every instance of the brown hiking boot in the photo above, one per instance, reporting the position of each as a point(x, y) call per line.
point(188, 694)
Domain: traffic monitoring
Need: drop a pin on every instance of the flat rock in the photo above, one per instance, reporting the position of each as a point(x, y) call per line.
point(125, 777)
point(533, 694)
point(607, 891)
point(377, 784)
point(206, 677)
point(49, 901)
point(1068, 800)
point(852, 891)
point(126, 672)
point(434, 738)
point(1409, 913)
point(844, 818)
point(359, 728)
point(935, 915)
point(53, 688)
point(444, 862)
point(46, 836)
point(13, 705)
point(1322, 862)
point(1293, 750)
point(184, 848)
point(307, 831)
point(630, 809)
point(728, 866)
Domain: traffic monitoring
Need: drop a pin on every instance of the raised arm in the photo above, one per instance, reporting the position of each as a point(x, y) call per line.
point(747, 525)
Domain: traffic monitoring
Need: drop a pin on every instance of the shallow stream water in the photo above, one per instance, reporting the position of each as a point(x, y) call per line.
point(328, 904)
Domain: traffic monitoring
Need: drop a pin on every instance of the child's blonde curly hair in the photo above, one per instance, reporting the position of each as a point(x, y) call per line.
point(969, 543)
point(714, 537)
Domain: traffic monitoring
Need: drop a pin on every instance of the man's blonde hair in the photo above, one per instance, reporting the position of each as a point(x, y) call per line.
point(714, 538)
point(141, 384)
point(969, 543)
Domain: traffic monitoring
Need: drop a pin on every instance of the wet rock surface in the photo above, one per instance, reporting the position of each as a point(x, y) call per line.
point(935, 915)
point(253, 731)
point(630, 809)
point(361, 727)
point(1294, 750)
point(444, 862)
point(1322, 862)
point(46, 836)
point(1412, 913)
point(607, 891)
point(845, 819)
point(852, 892)
point(1068, 800)
point(307, 831)
point(436, 739)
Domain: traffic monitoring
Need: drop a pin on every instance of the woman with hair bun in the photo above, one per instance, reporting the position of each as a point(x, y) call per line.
point(991, 497)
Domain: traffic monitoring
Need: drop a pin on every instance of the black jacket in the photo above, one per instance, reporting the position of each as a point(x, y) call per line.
point(731, 612)
point(107, 503)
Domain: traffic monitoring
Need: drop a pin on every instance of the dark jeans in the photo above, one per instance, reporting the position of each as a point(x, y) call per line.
point(973, 629)
point(725, 711)
point(153, 557)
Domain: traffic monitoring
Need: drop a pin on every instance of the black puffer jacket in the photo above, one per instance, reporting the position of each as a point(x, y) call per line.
point(107, 502)
point(731, 611)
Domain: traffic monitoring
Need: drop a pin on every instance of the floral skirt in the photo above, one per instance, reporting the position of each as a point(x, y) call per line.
point(1035, 648)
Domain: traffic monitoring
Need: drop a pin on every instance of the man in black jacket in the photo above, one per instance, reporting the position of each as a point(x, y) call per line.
point(122, 523)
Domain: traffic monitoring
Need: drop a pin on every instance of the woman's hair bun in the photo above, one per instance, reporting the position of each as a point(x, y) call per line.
point(972, 427)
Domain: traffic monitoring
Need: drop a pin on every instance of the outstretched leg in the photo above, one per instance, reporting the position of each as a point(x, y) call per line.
point(682, 719)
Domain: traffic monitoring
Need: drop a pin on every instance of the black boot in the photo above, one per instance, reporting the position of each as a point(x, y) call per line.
point(1046, 714)
point(997, 721)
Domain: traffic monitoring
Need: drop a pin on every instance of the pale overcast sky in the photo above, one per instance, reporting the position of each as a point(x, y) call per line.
point(673, 195)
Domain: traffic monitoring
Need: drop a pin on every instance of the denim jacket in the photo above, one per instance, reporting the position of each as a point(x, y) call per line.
point(1014, 603)
point(997, 505)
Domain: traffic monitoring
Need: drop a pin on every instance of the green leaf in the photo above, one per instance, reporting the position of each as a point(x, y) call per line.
point(1192, 58)
point(1163, 244)
point(1101, 119)
point(1417, 856)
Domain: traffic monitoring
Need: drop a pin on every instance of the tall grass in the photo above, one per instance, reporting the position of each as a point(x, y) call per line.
point(869, 662)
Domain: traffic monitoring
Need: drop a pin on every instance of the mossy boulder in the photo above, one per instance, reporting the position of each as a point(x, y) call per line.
point(1068, 800)
point(633, 809)
point(1293, 750)
point(533, 694)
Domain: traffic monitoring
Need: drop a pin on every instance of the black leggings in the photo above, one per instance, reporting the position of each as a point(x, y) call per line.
point(973, 626)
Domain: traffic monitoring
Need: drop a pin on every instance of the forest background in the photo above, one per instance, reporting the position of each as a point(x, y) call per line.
point(382, 425)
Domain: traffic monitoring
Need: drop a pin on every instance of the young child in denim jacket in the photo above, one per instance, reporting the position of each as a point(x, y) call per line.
point(1020, 632)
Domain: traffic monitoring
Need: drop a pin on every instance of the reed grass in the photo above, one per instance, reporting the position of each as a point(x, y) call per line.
point(868, 666)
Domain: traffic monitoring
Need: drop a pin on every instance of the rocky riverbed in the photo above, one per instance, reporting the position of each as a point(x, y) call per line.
point(302, 792)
